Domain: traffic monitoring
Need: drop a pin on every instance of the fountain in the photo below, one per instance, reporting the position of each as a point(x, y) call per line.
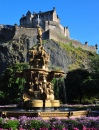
point(38, 96)
point(38, 93)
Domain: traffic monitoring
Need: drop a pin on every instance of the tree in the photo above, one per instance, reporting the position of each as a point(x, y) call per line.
point(94, 64)
point(94, 69)
point(58, 86)
point(11, 86)
point(74, 85)
point(91, 87)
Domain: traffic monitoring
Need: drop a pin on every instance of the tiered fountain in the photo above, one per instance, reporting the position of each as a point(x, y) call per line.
point(38, 97)
point(38, 91)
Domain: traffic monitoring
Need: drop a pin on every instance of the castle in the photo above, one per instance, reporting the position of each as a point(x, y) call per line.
point(46, 20)
point(49, 22)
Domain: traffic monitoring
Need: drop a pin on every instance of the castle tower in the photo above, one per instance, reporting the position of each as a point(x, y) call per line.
point(66, 32)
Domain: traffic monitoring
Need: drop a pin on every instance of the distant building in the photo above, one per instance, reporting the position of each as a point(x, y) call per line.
point(47, 20)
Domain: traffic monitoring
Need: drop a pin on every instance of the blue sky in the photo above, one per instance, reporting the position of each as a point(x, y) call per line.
point(81, 16)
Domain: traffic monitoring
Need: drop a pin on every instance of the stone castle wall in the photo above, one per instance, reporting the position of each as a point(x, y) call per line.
point(16, 32)
point(56, 27)
point(28, 31)
point(56, 37)
point(76, 44)
point(55, 17)
point(7, 33)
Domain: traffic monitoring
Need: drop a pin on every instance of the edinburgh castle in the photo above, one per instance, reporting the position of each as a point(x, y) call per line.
point(50, 24)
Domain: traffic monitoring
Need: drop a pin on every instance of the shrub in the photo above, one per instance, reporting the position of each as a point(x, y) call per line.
point(32, 123)
point(87, 101)
point(10, 123)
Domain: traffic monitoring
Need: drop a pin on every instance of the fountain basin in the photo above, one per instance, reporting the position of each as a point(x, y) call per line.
point(48, 113)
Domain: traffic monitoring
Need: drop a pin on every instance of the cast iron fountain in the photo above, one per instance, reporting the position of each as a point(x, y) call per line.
point(38, 95)
point(38, 88)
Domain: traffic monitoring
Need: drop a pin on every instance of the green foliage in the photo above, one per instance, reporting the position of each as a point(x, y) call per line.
point(93, 80)
point(71, 50)
point(10, 83)
point(10, 124)
point(37, 124)
point(79, 48)
point(74, 85)
point(91, 86)
point(1, 120)
point(83, 86)
point(94, 63)
point(58, 89)
point(44, 125)
point(20, 66)
point(57, 125)
point(1, 95)
point(20, 82)
point(57, 69)
point(87, 101)
point(44, 41)
point(78, 123)
point(70, 44)
point(79, 55)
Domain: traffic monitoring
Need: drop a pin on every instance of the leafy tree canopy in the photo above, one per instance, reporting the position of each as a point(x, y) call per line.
point(12, 86)
point(94, 64)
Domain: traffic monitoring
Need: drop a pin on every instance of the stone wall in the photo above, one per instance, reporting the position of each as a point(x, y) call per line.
point(8, 33)
point(56, 27)
point(55, 17)
point(30, 32)
point(75, 43)
point(58, 38)
point(51, 27)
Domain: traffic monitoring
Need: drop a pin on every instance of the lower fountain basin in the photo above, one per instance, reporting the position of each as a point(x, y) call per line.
point(44, 114)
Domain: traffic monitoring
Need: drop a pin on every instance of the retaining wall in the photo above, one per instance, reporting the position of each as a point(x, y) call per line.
point(75, 43)
point(28, 31)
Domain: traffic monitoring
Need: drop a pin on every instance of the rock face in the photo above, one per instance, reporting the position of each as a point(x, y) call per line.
point(66, 57)
point(62, 56)
point(58, 57)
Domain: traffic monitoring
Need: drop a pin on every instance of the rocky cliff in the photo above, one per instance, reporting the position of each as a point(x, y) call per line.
point(62, 56)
